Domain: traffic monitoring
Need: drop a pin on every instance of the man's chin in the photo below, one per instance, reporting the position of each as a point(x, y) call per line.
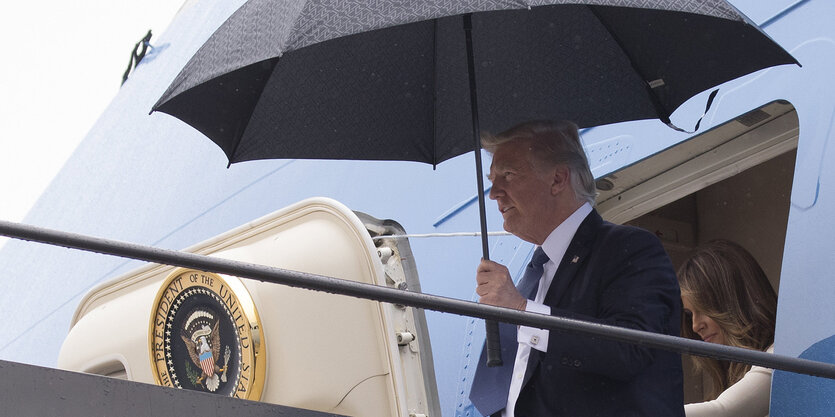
point(516, 231)
point(508, 227)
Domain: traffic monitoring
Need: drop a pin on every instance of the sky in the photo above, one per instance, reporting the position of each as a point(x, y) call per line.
point(61, 65)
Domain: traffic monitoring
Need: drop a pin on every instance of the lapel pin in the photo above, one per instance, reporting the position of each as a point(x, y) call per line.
point(576, 259)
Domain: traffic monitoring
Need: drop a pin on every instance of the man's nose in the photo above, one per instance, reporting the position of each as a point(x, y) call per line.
point(495, 190)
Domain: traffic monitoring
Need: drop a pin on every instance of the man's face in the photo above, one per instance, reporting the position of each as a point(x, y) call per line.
point(523, 193)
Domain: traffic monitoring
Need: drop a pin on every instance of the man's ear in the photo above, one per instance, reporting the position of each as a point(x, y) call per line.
point(562, 179)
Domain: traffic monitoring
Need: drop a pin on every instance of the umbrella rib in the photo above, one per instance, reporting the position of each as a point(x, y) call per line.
point(662, 113)
point(243, 126)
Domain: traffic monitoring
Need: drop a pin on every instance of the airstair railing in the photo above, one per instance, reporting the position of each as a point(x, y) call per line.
point(412, 299)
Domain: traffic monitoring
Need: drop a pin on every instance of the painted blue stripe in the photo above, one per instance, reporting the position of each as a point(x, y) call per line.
point(458, 208)
point(781, 14)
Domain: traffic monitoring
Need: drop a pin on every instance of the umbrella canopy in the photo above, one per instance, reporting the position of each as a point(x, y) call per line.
point(343, 79)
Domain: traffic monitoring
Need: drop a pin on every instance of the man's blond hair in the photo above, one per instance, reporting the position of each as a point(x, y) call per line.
point(552, 143)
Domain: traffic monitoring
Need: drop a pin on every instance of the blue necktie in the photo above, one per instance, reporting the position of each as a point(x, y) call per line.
point(490, 385)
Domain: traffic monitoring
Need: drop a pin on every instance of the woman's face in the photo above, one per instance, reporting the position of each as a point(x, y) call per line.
point(703, 325)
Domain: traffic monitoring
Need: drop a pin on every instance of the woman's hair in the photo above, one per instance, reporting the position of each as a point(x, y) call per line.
point(552, 143)
point(724, 282)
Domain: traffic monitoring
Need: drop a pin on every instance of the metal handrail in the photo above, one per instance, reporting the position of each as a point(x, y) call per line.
point(419, 300)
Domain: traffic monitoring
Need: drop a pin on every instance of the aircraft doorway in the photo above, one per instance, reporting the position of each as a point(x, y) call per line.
point(733, 182)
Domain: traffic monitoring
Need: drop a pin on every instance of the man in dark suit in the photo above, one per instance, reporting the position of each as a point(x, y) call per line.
point(583, 268)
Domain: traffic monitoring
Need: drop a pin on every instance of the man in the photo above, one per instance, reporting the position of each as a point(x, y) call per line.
point(594, 271)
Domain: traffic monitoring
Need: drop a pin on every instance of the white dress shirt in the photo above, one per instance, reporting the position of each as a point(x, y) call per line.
point(531, 337)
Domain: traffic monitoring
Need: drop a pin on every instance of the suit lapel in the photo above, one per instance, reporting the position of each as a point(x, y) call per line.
point(575, 256)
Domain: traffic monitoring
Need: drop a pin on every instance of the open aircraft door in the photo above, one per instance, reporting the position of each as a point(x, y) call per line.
point(266, 342)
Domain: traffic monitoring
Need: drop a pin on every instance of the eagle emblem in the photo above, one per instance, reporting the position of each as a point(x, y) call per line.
point(207, 337)
point(202, 339)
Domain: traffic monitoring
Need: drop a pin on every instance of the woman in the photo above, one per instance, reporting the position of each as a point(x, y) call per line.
point(728, 300)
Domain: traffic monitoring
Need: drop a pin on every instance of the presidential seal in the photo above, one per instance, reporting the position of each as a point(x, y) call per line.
point(205, 336)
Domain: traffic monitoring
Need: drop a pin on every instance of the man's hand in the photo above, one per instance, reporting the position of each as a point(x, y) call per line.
point(496, 288)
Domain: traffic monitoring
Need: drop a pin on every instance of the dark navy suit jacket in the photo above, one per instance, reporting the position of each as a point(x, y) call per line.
point(622, 277)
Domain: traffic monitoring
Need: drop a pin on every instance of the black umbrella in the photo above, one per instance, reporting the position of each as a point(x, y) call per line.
point(397, 79)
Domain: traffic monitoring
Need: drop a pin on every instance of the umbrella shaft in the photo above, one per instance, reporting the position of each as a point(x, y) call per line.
point(494, 356)
point(468, 25)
